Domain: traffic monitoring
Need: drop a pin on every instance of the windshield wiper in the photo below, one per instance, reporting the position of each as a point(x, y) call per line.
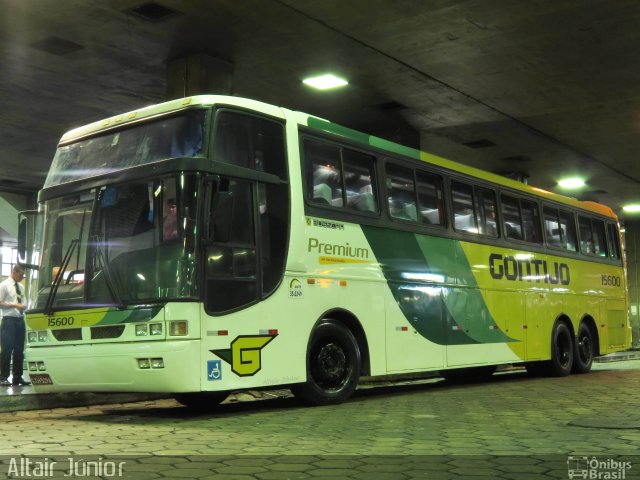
point(104, 266)
point(58, 280)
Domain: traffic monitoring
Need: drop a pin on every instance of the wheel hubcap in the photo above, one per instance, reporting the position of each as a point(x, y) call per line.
point(330, 365)
point(584, 348)
point(564, 350)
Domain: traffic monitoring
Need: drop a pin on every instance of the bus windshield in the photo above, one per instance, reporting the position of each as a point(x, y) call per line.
point(120, 244)
point(174, 136)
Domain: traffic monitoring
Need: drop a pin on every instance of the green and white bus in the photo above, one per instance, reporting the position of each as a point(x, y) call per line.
point(214, 243)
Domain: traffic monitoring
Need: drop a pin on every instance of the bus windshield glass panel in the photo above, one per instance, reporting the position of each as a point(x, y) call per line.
point(119, 244)
point(173, 136)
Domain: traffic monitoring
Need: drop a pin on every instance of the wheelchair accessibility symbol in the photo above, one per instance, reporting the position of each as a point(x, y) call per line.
point(214, 369)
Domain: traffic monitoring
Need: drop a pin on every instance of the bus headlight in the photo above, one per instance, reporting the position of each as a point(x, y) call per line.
point(32, 337)
point(178, 328)
point(142, 330)
point(155, 329)
point(143, 363)
point(41, 367)
point(157, 363)
point(42, 335)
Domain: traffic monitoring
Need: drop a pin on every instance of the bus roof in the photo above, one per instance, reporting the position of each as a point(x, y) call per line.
point(168, 107)
point(317, 123)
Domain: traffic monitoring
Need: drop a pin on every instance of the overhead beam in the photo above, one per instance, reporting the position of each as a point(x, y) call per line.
point(198, 73)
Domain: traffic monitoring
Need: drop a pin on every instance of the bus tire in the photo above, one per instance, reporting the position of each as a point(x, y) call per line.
point(468, 374)
point(201, 401)
point(583, 350)
point(561, 351)
point(333, 365)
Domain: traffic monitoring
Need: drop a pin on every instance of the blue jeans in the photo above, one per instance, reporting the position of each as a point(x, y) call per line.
point(12, 335)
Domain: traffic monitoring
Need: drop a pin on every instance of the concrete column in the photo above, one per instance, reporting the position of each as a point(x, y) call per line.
point(10, 205)
point(198, 73)
point(632, 243)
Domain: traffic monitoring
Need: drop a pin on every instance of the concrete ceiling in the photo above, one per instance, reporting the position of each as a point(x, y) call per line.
point(551, 88)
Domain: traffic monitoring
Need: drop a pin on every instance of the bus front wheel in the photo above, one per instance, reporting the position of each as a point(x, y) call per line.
point(333, 365)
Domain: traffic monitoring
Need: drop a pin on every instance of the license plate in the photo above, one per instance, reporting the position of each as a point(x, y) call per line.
point(40, 379)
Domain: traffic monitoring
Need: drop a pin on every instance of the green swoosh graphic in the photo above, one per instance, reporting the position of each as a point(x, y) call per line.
point(434, 286)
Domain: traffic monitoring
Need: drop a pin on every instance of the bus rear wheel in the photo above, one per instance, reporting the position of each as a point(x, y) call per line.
point(333, 365)
point(583, 350)
point(561, 352)
point(201, 401)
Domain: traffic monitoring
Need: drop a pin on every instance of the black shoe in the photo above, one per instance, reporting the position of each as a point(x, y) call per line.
point(19, 382)
point(4, 382)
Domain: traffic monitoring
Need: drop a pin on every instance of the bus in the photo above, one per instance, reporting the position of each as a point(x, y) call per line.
point(213, 244)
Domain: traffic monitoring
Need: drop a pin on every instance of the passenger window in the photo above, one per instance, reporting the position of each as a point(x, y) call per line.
point(614, 243)
point(568, 229)
point(359, 181)
point(464, 218)
point(430, 198)
point(401, 190)
point(324, 177)
point(339, 177)
point(511, 217)
point(599, 238)
point(552, 228)
point(487, 212)
point(521, 219)
point(593, 237)
point(560, 228)
point(587, 245)
point(531, 221)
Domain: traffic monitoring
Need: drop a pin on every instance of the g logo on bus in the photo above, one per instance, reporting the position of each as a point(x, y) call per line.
point(244, 356)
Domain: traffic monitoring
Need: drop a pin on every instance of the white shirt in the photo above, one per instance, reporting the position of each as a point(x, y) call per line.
point(8, 294)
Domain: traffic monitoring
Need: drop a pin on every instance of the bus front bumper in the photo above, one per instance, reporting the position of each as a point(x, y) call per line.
point(171, 366)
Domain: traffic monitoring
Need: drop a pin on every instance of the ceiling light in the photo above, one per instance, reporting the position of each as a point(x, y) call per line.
point(325, 82)
point(571, 183)
point(632, 208)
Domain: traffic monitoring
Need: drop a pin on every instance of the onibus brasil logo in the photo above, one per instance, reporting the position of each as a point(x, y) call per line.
point(595, 468)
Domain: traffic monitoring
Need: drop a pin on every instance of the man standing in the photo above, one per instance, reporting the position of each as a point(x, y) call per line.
point(13, 328)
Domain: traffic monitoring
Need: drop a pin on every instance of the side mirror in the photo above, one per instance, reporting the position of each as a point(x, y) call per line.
point(27, 222)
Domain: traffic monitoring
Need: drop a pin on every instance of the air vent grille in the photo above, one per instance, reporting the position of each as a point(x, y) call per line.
point(67, 335)
point(110, 331)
